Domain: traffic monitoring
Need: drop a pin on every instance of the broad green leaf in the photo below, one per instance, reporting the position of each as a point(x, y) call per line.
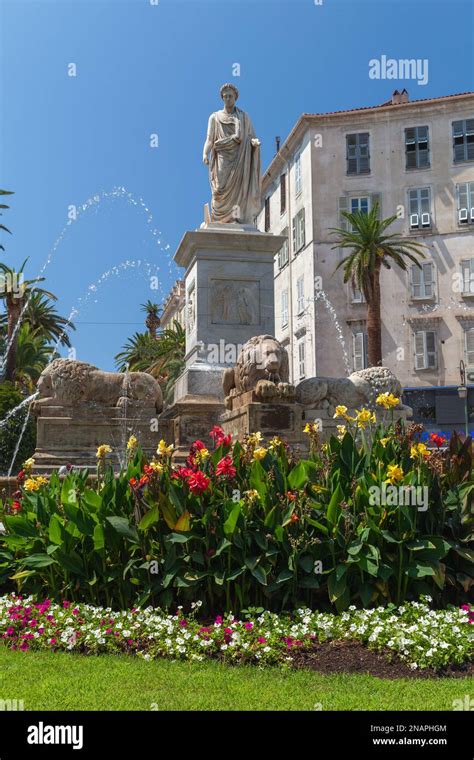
point(231, 522)
point(149, 518)
point(122, 526)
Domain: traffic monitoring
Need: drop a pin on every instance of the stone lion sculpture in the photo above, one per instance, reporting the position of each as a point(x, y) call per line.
point(71, 383)
point(262, 366)
point(361, 388)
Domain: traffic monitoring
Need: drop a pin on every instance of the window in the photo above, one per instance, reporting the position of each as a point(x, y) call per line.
point(465, 198)
point(300, 294)
point(463, 140)
point(422, 281)
point(301, 358)
point(298, 231)
point(359, 350)
point(467, 273)
point(416, 148)
point(359, 205)
point(283, 253)
point(284, 308)
point(298, 182)
point(267, 214)
point(357, 151)
point(363, 204)
point(357, 295)
point(282, 193)
point(469, 346)
point(419, 204)
point(425, 349)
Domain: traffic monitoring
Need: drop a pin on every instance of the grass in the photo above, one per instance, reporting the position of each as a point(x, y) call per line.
point(62, 681)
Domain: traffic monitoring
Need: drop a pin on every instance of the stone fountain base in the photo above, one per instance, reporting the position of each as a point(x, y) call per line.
point(67, 435)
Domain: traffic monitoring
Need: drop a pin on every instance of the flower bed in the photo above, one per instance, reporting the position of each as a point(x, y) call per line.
point(418, 635)
point(371, 517)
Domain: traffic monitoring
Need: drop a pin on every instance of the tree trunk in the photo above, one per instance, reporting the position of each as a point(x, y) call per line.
point(14, 307)
point(374, 323)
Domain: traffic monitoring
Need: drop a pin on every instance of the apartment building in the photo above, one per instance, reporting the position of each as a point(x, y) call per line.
point(416, 160)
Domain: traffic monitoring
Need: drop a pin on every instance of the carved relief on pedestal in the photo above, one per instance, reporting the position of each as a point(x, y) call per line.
point(234, 302)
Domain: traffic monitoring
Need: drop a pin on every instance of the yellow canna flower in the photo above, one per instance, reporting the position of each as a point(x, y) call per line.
point(163, 450)
point(41, 480)
point(419, 451)
point(275, 442)
point(341, 431)
point(394, 474)
point(102, 450)
point(341, 411)
point(363, 417)
point(254, 438)
point(132, 443)
point(28, 465)
point(201, 455)
point(252, 495)
point(384, 441)
point(259, 453)
point(156, 466)
point(387, 400)
point(30, 484)
point(317, 489)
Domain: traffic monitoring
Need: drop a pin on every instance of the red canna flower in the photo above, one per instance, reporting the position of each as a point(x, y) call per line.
point(198, 482)
point(291, 495)
point(16, 506)
point(219, 437)
point(294, 517)
point(225, 467)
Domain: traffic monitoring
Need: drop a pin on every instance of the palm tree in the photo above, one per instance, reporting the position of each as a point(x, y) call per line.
point(137, 354)
point(370, 250)
point(41, 315)
point(152, 321)
point(34, 352)
point(162, 357)
point(15, 290)
point(3, 206)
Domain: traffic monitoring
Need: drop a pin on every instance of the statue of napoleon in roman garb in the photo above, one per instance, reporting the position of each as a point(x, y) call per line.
point(234, 168)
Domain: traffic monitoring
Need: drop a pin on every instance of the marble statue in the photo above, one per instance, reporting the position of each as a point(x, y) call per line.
point(234, 166)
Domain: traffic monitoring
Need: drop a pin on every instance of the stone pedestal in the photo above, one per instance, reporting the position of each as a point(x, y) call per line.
point(229, 299)
point(72, 435)
point(278, 417)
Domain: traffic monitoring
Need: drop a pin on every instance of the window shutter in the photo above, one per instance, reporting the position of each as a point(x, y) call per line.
point(431, 349)
point(428, 279)
point(282, 193)
point(358, 346)
point(415, 281)
point(293, 234)
point(419, 349)
point(343, 207)
point(470, 347)
point(462, 195)
point(302, 229)
point(376, 198)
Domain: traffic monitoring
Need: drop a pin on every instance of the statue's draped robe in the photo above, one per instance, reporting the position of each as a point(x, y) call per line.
point(234, 168)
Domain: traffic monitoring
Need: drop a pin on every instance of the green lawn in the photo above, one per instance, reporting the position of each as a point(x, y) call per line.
point(48, 681)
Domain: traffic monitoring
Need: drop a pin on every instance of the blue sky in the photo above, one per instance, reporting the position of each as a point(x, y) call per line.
point(144, 69)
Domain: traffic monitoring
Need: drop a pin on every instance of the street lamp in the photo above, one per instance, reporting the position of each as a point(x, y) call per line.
point(462, 393)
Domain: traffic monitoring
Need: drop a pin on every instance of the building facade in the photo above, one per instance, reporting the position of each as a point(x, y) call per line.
point(416, 160)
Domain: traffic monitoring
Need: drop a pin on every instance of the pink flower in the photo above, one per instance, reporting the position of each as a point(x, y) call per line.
point(183, 623)
point(248, 626)
point(66, 604)
point(262, 640)
point(218, 620)
point(10, 630)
